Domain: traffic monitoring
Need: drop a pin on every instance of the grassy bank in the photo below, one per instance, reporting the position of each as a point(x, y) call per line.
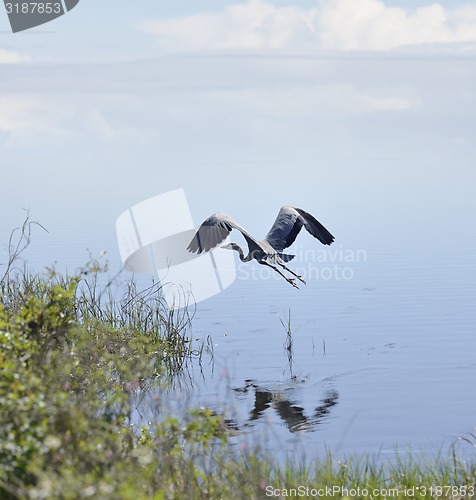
point(75, 359)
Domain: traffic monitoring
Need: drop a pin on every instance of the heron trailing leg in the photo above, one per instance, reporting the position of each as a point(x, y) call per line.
point(292, 272)
point(289, 280)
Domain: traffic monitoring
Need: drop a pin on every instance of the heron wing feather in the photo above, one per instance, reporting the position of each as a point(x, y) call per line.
point(213, 231)
point(289, 222)
point(315, 228)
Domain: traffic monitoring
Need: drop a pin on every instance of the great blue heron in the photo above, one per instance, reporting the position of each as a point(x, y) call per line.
point(268, 252)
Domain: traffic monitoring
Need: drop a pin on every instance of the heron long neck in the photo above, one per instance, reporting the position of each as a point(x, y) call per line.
point(242, 255)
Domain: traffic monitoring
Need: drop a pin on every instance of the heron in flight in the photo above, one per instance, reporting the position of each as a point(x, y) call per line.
point(267, 252)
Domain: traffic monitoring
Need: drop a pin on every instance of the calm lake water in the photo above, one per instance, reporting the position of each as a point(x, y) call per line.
point(377, 364)
point(383, 354)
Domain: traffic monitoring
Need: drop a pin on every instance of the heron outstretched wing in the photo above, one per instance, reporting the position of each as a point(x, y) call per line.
point(213, 231)
point(289, 222)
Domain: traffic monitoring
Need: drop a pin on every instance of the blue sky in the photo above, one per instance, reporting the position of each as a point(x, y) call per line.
point(329, 105)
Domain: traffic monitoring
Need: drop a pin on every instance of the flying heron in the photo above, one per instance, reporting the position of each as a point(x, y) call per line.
point(267, 252)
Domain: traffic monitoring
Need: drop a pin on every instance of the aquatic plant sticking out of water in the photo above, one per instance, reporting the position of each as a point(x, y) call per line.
point(288, 344)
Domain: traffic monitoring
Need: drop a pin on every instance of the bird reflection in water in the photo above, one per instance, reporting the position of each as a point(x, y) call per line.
point(292, 414)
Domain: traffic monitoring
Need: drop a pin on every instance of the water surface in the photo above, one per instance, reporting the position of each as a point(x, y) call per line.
point(382, 359)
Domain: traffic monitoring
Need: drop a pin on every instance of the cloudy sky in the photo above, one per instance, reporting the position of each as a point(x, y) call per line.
point(347, 108)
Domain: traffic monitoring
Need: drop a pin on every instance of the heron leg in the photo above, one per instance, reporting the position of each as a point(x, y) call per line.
point(289, 280)
point(292, 272)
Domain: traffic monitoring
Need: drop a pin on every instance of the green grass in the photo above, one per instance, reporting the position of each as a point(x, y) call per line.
point(75, 359)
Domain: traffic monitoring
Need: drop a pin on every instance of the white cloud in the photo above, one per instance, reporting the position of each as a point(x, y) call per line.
point(40, 119)
point(16, 114)
point(309, 102)
point(331, 25)
point(11, 57)
point(251, 25)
